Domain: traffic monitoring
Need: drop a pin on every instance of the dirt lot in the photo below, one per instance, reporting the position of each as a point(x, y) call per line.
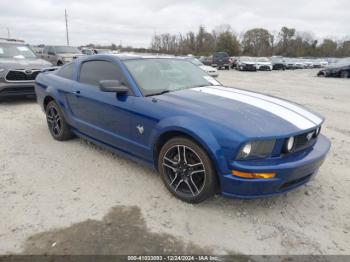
point(76, 198)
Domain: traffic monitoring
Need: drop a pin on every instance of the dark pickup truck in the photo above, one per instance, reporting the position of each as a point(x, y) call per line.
point(221, 59)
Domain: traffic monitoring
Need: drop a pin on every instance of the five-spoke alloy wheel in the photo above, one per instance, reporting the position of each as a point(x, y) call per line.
point(56, 122)
point(186, 170)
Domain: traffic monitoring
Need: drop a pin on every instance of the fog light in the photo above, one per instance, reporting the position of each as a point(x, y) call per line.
point(253, 175)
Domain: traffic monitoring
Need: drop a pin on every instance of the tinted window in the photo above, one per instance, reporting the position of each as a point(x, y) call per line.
point(66, 49)
point(66, 71)
point(93, 72)
point(51, 50)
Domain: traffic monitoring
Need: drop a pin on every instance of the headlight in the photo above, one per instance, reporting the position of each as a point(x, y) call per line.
point(256, 149)
point(289, 145)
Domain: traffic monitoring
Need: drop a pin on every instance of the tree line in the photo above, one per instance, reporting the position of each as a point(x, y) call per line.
point(254, 42)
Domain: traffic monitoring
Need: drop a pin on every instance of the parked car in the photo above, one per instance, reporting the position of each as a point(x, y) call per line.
point(87, 51)
point(207, 60)
point(202, 137)
point(209, 69)
point(245, 63)
point(233, 62)
point(294, 63)
point(60, 55)
point(278, 63)
point(102, 51)
point(263, 64)
point(221, 60)
point(19, 66)
point(339, 69)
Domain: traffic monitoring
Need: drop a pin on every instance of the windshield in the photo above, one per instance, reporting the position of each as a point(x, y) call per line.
point(262, 59)
point(15, 51)
point(155, 76)
point(344, 61)
point(66, 49)
point(194, 61)
point(245, 58)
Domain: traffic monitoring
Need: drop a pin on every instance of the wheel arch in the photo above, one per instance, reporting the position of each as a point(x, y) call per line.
point(47, 100)
point(200, 135)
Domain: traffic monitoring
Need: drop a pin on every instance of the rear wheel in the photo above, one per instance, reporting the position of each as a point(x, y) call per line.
point(344, 74)
point(187, 170)
point(56, 122)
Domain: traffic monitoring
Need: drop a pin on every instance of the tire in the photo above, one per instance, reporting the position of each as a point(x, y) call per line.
point(56, 123)
point(187, 170)
point(344, 74)
point(59, 63)
point(227, 67)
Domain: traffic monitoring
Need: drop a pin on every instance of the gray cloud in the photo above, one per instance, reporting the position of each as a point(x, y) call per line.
point(133, 22)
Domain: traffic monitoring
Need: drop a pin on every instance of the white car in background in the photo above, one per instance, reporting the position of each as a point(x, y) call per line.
point(208, 69)
point(263, 64)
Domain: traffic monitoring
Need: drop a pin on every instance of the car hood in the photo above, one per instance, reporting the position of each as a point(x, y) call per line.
point(264, 63)
point(248, 62)
point(70, 55)
point(247, 113)
point(20, 63)
point(208, 68)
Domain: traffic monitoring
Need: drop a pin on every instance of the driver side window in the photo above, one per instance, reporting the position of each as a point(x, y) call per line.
point(92, 72)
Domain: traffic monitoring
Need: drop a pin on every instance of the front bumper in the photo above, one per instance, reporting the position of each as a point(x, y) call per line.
point(8, 89)
point(292, 172)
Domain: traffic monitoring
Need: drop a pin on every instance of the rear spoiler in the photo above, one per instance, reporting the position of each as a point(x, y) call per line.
point(49, 69)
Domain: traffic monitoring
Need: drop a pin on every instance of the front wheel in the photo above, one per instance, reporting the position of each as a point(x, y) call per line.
point(187, 170)
point(56, 122)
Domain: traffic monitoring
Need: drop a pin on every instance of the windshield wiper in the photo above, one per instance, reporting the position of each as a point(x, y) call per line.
point(159, 93)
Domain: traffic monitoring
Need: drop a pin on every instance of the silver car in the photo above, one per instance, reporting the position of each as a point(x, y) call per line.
point(60, 55)
point(19, 67)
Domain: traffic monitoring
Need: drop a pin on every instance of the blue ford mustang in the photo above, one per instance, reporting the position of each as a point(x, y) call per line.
point(202, 137)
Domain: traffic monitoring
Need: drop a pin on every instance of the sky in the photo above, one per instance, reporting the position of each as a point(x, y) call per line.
point(134, 22)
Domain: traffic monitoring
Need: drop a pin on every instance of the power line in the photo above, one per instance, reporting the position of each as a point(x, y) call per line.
point(65, 15)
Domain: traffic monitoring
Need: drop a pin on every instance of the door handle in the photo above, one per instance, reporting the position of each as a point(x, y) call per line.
point(77, 92)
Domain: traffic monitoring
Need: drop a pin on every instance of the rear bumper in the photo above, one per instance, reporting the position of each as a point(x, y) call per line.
point(8, 89)
point(291, 173)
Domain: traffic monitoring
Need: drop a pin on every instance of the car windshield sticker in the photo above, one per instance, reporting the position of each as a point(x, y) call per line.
point(1, 51)
point(22, 48)
point(212, 80)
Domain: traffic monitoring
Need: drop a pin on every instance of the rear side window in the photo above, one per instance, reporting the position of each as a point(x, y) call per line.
point(92, 72)
point(66, 71)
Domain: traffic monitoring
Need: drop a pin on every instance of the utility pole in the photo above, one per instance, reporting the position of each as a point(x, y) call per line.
point(65, 15)
point(8, 33)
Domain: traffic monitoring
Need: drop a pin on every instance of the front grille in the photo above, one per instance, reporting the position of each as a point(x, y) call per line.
point(250, 66)
point(264, 68)
point(22, 75)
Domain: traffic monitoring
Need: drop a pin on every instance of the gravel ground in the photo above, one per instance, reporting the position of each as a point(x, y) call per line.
point(74, 197)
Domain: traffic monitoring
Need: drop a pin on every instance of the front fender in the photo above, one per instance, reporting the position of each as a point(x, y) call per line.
point(199, 131)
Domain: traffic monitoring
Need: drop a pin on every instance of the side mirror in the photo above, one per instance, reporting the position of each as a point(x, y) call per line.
point(113, 86)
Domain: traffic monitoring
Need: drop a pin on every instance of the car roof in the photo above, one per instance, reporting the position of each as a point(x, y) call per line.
point(125, 57)
point(12, 41)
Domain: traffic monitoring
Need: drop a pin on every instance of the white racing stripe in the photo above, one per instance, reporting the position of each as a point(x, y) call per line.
point(314, 118)
point(287, 114)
